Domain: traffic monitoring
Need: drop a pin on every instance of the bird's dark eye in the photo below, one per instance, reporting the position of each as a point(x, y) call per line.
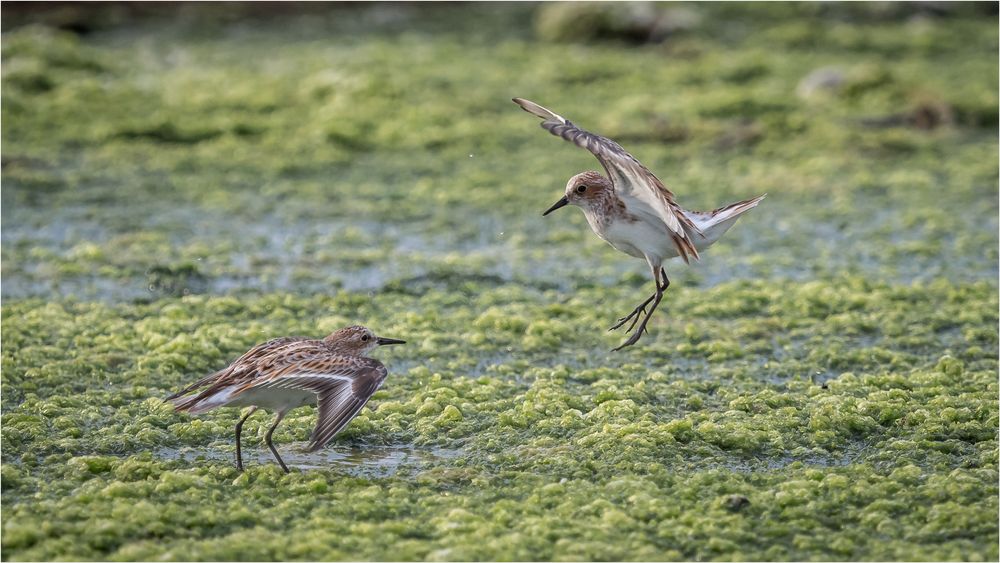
point(581, 189)
point(364, 338)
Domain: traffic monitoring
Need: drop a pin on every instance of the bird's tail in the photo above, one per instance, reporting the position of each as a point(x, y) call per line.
point(732, 211)
point(713, 224)
point(182, 401)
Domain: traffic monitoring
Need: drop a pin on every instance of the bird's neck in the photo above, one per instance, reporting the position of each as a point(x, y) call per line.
point(603, 210)
point(341, 350)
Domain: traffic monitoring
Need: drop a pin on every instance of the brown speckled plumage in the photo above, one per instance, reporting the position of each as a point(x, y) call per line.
point(284, 373)
point(628, 176)
point(633, 211)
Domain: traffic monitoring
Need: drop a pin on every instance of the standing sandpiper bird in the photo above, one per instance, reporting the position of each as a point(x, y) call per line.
point(282, 374)
point(634, 212)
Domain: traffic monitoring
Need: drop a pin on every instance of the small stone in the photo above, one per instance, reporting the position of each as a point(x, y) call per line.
point(825, 79)
point(736, 502)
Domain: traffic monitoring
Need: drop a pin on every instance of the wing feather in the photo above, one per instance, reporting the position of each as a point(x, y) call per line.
point(335, 411)
point(343, 385)
point(635, 184)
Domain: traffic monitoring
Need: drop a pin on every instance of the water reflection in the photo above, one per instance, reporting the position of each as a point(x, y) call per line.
point(368, 461)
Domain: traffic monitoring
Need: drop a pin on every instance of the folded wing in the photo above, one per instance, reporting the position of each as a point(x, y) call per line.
point(635, 184)
point(244, 368)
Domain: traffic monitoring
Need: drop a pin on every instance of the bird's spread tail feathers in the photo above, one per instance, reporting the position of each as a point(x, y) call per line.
point(713, 224)
point(733, 210)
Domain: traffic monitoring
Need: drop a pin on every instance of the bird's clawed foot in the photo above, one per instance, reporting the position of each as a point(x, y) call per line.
point(633, 316)
point(639, 311)
point(635, 335)
point(631, 340)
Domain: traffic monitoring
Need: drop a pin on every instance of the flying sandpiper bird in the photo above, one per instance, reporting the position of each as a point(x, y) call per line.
point(284, 373)
point(634, 212)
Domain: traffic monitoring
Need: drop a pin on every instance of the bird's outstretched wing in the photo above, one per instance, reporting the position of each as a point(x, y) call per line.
point(343, 385)
point(631, 179)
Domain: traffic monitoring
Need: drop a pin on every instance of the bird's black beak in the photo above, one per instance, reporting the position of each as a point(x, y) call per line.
point(387, 341)
point(561, 203)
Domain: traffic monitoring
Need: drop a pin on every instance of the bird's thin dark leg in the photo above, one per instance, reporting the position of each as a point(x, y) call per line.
point(656, 301)
point(634, 315)
point(267, 440)
point(239, 430)
point(660, 288)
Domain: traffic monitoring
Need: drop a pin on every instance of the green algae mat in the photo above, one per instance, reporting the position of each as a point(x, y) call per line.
point(180, 184)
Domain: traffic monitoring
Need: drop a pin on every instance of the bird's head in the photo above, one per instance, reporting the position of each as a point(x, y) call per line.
point(358, 340)
point(584, 190)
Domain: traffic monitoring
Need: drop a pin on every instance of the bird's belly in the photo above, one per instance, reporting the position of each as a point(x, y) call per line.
point(639, 239)
point(272, 399)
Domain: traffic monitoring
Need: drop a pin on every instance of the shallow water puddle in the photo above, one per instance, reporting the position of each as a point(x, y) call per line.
point(370, 461)
point(778, 463)
point(849, 454)
point(270, 252)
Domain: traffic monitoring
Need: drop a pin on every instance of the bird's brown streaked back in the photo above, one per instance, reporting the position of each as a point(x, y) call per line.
point(263, 363)
point(628, 176)
point(286, 373)
point(243, 368)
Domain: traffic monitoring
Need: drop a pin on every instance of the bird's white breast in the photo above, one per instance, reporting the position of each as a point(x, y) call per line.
point(272, 399)
point(639, 238)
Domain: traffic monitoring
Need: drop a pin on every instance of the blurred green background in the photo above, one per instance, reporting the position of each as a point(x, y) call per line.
point(181, 181)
